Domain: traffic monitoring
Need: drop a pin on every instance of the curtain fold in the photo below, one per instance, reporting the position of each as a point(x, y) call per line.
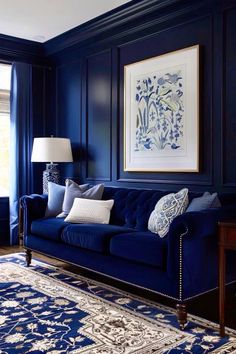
point(20, 141)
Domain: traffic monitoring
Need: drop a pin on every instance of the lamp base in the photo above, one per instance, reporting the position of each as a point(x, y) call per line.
point(51, 174)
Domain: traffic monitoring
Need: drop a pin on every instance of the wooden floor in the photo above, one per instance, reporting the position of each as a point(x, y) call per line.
point(18, 249)
point(205, 306)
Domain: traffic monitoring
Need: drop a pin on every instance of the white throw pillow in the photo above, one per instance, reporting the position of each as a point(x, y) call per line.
point(90, 211)
point(166, 209)
point(73, 190)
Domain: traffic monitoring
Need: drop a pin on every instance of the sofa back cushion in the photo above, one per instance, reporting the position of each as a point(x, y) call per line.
point(132, 207)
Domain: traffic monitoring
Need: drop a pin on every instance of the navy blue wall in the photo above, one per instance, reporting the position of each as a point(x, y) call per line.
point(90, 79)
point(78, 84)
point(78, 81)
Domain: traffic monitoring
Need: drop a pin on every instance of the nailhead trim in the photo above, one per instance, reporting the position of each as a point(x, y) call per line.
point(181, 263)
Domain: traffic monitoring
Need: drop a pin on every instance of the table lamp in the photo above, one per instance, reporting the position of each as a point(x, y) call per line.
point(51, 150)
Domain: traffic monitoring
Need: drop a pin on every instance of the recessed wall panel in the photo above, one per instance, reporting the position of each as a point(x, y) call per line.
point(98, 117)
point(197, 32)
point(68, 114)
point(229, 112)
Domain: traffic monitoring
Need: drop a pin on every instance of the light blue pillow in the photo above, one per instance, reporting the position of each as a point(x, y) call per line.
point(73, 190)
point(206, 201)
point(55, 199)
point(56, 194)
point(166, 209)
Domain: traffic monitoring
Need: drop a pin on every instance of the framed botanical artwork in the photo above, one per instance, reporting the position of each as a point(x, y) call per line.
point(161, 113)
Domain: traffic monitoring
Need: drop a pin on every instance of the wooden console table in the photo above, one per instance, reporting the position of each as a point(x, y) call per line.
point(227, 241)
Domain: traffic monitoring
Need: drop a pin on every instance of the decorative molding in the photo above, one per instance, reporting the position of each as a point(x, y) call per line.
point(165, 181)
point(143, 14)
point(229, 185)
point(90, 179)
point(17, 49)
point(12, 48)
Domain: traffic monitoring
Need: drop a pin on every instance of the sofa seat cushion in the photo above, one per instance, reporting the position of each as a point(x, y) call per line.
point(143, 247)
point(94, 237)
point(50, 228)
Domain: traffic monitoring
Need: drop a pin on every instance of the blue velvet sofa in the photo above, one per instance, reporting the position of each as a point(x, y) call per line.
point(182, 265)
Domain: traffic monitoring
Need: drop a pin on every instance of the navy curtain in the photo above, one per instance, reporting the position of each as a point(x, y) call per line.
point(20, 141)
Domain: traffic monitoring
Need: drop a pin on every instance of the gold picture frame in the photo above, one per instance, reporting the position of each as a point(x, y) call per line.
point(161, 113)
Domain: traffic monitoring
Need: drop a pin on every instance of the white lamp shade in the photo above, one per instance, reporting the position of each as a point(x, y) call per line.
point(51, 150)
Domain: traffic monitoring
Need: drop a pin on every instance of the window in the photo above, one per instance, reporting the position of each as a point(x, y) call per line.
point(5, 78)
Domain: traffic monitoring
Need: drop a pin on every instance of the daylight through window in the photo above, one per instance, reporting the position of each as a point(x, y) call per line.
point(5, 78)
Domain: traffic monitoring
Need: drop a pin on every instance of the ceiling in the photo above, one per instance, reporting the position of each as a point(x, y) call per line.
point(41, 20)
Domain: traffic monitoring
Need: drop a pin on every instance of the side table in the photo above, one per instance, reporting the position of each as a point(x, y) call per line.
point(227, 241)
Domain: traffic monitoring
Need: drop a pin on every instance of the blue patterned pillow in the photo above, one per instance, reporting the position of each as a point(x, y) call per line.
point(166, 209)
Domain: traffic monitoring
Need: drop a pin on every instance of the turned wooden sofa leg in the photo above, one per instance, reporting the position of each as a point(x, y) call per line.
point(28, 257)
point(181, 315)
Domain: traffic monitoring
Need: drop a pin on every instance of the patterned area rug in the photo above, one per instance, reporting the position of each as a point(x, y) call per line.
point(44, 309)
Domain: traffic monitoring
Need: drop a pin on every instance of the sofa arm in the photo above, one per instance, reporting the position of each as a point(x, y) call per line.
point(33, 207)
point(192, 251)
